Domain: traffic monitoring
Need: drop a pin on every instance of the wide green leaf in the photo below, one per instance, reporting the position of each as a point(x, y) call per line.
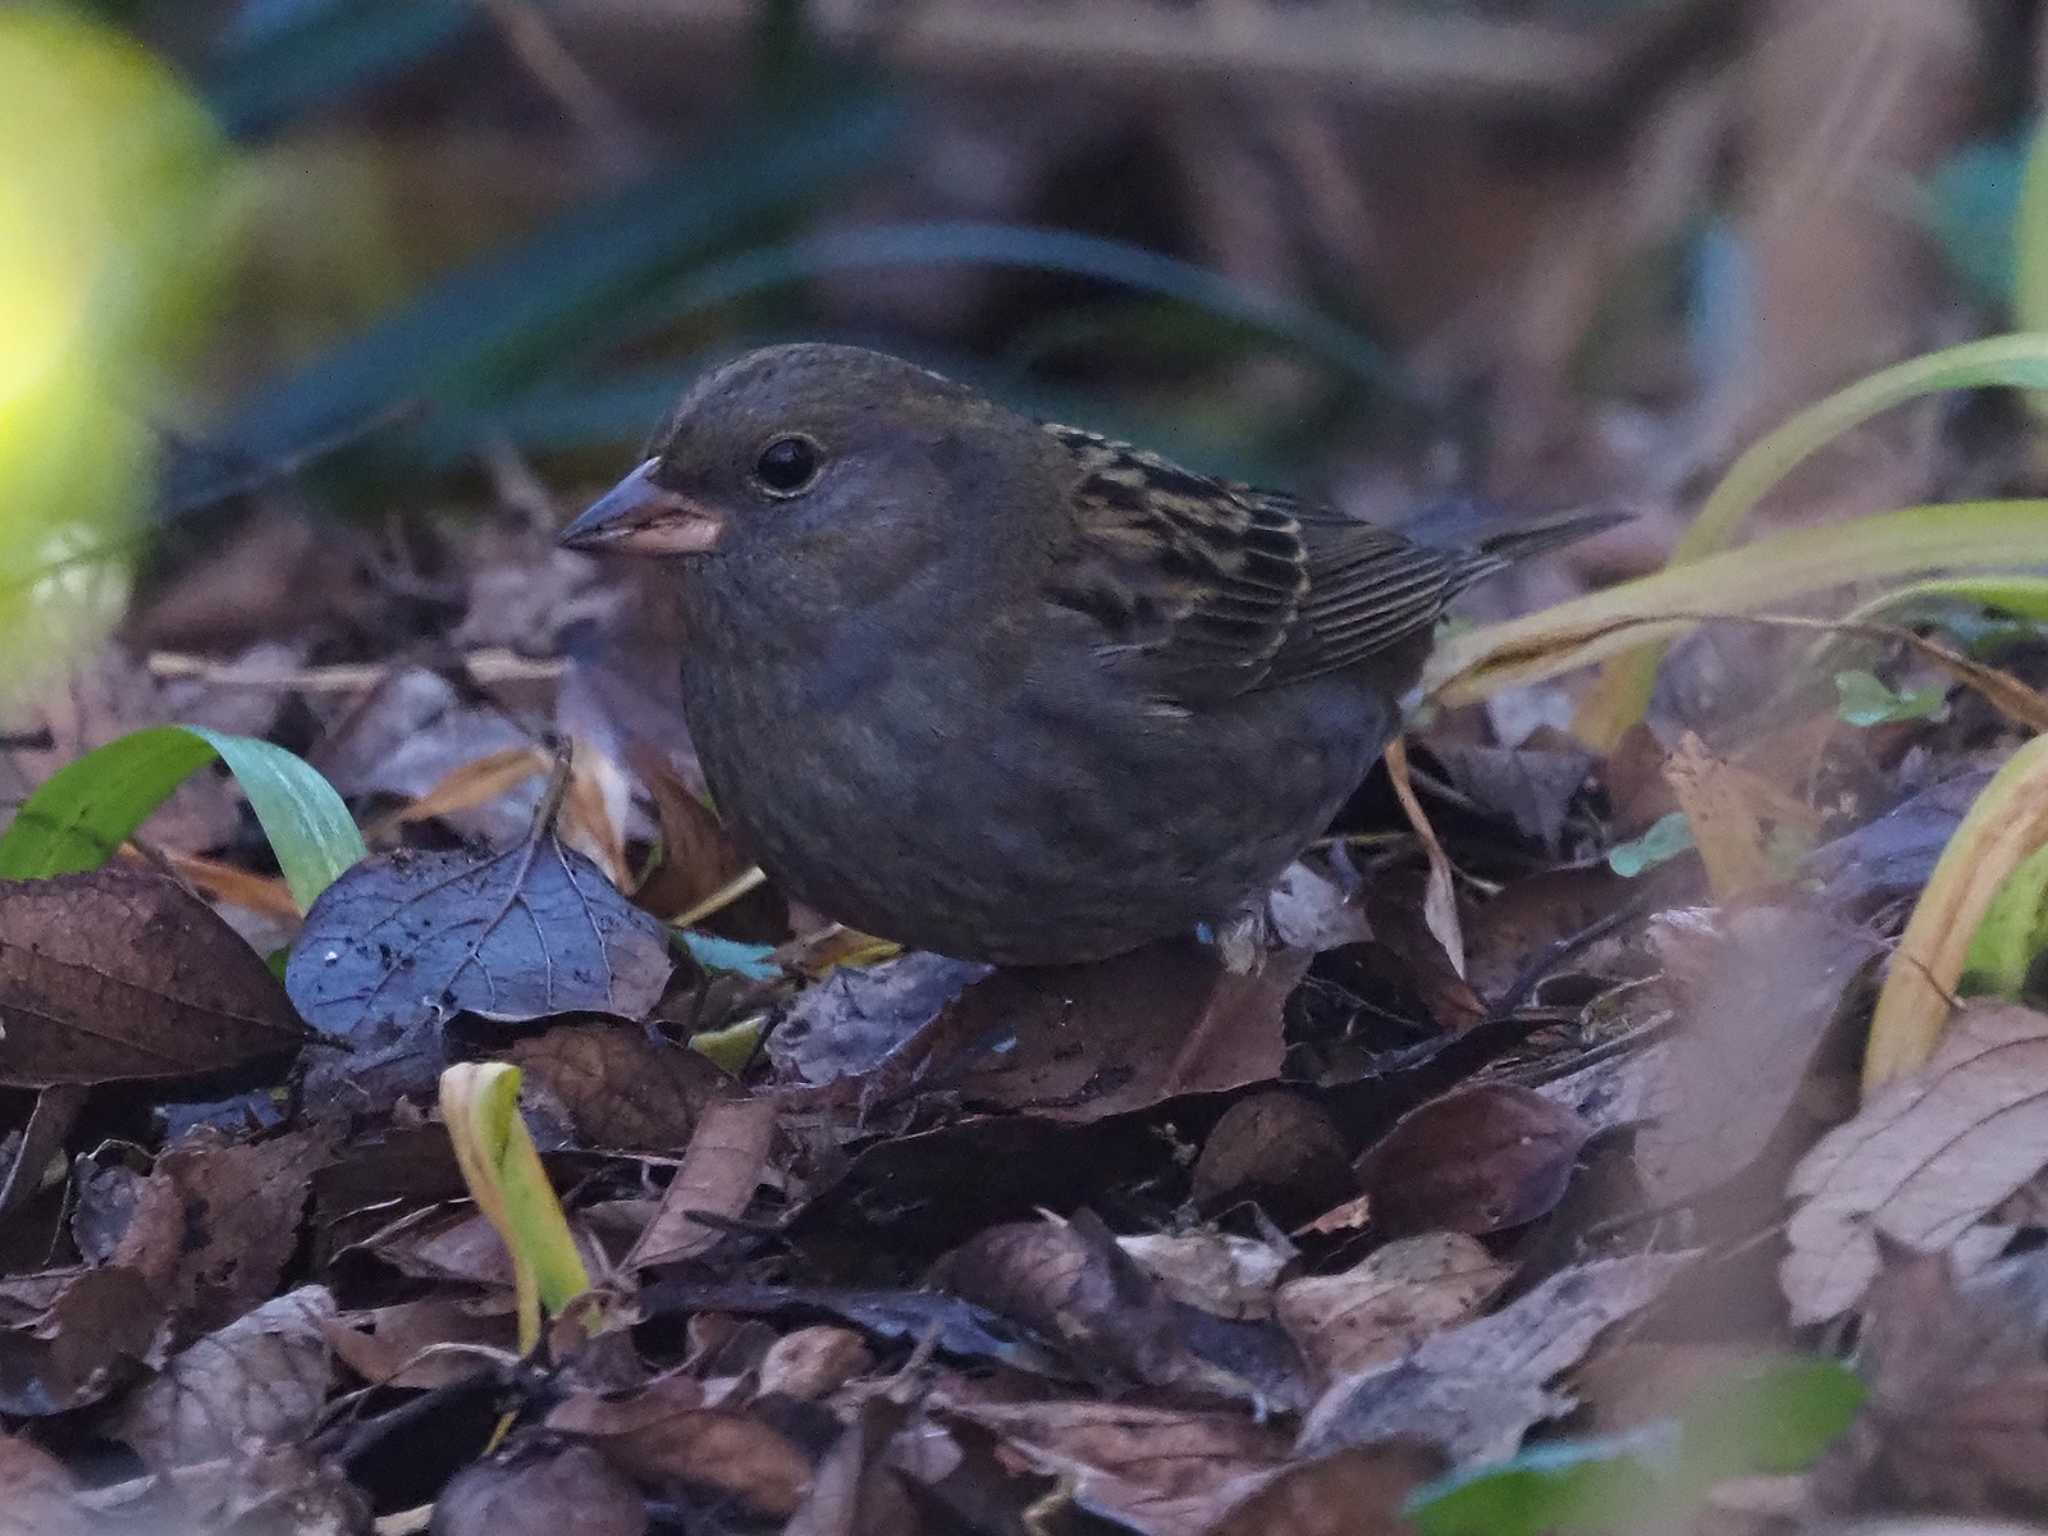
point(85, 810)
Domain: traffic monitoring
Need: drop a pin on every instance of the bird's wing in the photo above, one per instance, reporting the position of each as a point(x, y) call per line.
point(1371, 591)
point(1212, 588)
point(1195, 585)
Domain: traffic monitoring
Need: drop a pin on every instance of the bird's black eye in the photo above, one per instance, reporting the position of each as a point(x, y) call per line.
point(787, 466)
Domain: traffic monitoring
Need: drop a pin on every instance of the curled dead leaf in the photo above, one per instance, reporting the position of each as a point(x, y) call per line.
point(1923, 1162)
point(1475, 1160)
point(116, 975)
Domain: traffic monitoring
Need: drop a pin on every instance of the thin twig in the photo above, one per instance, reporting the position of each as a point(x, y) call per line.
point(493, 665)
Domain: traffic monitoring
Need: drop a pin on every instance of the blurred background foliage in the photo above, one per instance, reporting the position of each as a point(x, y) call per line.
point(340, 256)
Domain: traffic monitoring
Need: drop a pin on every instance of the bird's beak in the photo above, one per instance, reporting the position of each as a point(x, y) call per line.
point(638, 516)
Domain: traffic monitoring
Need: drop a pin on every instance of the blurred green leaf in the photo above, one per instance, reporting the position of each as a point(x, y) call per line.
point(1778, 1416)
point(617, 410)
point(952, 243)
point(2029, 243)
point(1581, 1485)
point(493, 327)
point(1972, 209)
point(1864, 698)
point(281, 63)
point(2011, 935)
point(85, 810)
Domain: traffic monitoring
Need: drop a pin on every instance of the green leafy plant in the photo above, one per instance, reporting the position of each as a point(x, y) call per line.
point(84, 811)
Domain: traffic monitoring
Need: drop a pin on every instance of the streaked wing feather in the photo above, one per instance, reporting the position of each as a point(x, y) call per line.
point(1370, 590)
point(1219, 588)
point(1199, 582)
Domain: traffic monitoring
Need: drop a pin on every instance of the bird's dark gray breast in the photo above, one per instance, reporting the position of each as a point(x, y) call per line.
point(966, 791)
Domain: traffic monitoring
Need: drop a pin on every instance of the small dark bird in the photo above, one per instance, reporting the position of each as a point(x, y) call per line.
point(1006, 690)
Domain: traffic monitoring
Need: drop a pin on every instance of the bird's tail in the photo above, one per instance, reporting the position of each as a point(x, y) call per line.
point(1540, 535)
point(1494, 552)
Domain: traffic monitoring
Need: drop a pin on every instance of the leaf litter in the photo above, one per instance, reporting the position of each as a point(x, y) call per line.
point(1400, 1180)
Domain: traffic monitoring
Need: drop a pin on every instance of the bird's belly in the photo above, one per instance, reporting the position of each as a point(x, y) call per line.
point(1048, 823)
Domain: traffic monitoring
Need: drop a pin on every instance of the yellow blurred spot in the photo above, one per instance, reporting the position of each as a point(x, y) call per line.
point(111, 179)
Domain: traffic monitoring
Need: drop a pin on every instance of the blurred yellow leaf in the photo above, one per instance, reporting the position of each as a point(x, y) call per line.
point(110, 192)
point(1959, 536)
point(2005, 826)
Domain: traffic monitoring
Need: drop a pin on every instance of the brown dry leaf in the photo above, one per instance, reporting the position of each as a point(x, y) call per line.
point(228, 885)
point(1957, 1412)
point(216, 1223)
point(1475, 1160)
point(459, 1245)
point(1351, 1493)
point(1440, 893)
point(401, 1345)
point(594, 811)
point(534, 1487)
point(117, 975)
point(854, 1019)
point(1125, 1033)
point(36, 1493)
point(697, 857)
point(283, 1490)
point(1633, 775)
point(1163, 1471)
point(1923, 1161)
point(662, 1434)
point(1532, 785)
point(1388, 1303)
point(1405, 951)
point(1068, 1281)
point(1757, 987)
point(260, 1380)
point(1732, 812)
point(1474, 1390)
point(1350, 1216)
point(69, 1337)
point(1531, 914)
point(1220, 1273)
point(1072, 1284)
point(854, 1492)
point(814, 1362)
point(102, 699)
point(618, 1088)
point(720, 1168)
point(1280, 1149)
point(412, 732)
point(465, 787)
